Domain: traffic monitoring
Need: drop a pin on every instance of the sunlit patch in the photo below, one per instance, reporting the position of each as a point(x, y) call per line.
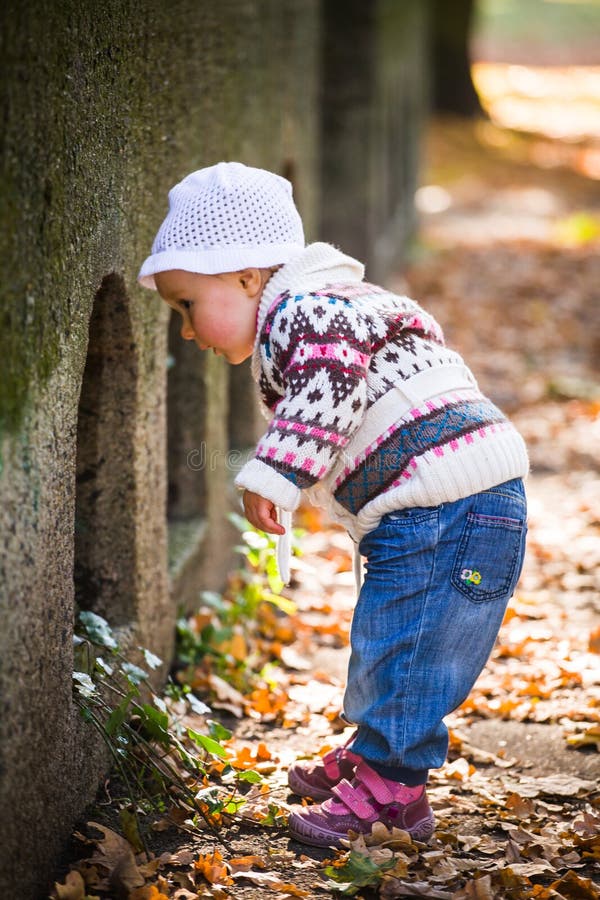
point(432, 199)
point(559, 102)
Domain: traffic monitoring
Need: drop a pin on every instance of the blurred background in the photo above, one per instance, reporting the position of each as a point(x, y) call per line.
point(452, 145)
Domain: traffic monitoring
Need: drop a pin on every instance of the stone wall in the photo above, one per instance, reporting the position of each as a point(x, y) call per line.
point(104, 107)
point(108, 501)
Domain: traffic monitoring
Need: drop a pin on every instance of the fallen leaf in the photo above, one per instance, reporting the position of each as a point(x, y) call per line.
point(460, 770)
point(213, 867)
point(181, 858)
point(476, 889)
point(245, 863)
point(73, 887)
point(394, 888)
point(227, 697)
point(553, 786)
point(574, 886)
point(150, 892)
point(273, 882)
point(588, 738)
point(587, 825)
point(523, 807)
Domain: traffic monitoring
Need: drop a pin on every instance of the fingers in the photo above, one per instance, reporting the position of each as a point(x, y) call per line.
point(262, 513)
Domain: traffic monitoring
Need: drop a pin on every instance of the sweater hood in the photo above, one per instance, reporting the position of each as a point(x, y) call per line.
point(319, 264)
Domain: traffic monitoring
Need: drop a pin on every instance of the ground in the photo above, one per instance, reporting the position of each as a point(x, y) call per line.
point(507, 260)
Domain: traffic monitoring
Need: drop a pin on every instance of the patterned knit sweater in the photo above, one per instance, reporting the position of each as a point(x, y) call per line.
point(369, 411)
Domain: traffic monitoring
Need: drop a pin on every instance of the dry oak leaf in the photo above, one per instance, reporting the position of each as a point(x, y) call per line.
point(266, 702)
point(594, 641)
point(460, 770)
point(393, 888)
point(213, 868)
point(113, 854)
point(227, 697)
point(588, 824)
point(73, 887)
point(557, 785)
point(260, 759)
point(245, 863)
point(574, 886)
point(272, 882)
point(588, 738)
point(522, 807)
point(151, 892)
point(476, 889)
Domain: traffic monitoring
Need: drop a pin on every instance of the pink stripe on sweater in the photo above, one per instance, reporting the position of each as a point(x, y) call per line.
point(311, 431)
point(340, 352)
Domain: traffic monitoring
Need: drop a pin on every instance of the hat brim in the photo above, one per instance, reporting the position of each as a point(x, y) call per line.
point(216, 260)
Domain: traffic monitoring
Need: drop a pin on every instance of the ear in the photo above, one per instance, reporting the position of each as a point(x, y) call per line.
point(251, 281)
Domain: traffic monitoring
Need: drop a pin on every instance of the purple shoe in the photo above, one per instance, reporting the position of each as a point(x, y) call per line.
point(357, 805)
point(316, 778)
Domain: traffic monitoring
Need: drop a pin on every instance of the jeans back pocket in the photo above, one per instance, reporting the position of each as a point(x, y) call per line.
point(489, 557)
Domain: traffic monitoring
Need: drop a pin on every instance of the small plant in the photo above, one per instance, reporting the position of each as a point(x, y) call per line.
point(163, 763)
point(233, 634)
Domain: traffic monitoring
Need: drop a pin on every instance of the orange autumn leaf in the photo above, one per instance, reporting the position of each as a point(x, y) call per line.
point(573, 885)
point(263, 752)
point(459, 770)
point(245, 863)
point(243, 759)
point(310, 518)
point(523, 807)
point(213, 868)
point(594, 641)
point(246, 759)
point(150, 892)
point(290, 889)
point(265, 701)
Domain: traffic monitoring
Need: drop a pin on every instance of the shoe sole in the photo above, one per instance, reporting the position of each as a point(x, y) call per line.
point(305, 833)
point(305, 789)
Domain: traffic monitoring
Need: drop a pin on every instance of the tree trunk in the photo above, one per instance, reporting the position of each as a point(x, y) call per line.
point(452, 86)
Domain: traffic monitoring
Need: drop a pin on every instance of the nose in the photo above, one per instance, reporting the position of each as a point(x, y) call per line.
point(187, 332)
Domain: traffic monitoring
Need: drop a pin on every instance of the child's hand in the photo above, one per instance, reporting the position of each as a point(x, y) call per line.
point(261, 513)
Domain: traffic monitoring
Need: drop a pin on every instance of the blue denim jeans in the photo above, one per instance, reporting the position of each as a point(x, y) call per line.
point(437, 583)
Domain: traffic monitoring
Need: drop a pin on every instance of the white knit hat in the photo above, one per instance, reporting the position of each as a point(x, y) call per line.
point(224, 218)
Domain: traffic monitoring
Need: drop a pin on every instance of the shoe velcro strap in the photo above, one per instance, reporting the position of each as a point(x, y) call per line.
point(331, 765)
point(374, 783)
point(352, 799)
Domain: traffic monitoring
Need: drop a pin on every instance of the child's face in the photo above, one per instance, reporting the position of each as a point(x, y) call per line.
point(218, 311)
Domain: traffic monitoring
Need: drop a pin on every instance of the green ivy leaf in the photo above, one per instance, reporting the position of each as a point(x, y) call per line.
point(117, 716)
point(250, 776)
point(211, 746)
point(97, 629)
point(133, 673)
point(358, 871)
point(156, 723)
point(233, 806)
point(160, 704)
point(84, 684)
point(199, 707)
point(104, 666)
point(218, 731)
point(152, 660)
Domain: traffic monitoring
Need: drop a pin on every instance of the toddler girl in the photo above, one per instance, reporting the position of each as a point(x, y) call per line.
point(372, 416)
